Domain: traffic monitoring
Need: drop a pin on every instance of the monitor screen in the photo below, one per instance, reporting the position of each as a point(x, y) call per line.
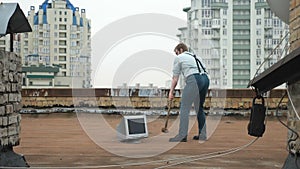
point(136, 126)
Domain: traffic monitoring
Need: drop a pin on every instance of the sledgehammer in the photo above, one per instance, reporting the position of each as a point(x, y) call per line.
point(165, 129)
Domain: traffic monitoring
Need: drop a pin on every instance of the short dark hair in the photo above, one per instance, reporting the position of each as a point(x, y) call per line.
point(181, 46)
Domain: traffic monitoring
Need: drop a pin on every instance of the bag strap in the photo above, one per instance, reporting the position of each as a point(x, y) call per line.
point(259, 97)
point(198, 62)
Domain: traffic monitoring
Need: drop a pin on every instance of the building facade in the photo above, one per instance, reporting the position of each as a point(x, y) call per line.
point(5, 43)
point(60, 40)
point(234, 37)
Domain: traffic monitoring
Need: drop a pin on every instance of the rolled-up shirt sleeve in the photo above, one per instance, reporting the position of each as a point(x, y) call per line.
point(176, 67)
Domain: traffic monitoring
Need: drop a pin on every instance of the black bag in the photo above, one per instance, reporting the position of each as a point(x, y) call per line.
point(256, 126)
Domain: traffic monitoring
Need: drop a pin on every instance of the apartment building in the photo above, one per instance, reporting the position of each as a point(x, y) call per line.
point(57, 53)
point(234, 37)
point(5, 43)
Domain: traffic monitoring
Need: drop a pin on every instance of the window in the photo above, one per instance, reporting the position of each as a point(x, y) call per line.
point(206, 23)
point(205, 3)
point(225, 82)
point(258, 52)
point(258, 32)
point(258, 42)
point(224, 31)
point(46, 35)
point(258, 21)
point(275, 41)
point(206, 32)
point(258, 12)
point(224, 52)
point(224, 22)
point(206, 13)
point(277, 23)
point(258, 62)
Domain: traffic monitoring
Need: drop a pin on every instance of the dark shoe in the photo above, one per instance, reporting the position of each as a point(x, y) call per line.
point(178, 139)
point(197, 137)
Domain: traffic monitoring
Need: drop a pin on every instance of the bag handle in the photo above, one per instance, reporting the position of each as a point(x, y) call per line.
point(259, 97)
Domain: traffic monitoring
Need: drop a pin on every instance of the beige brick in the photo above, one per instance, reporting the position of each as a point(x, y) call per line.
point(297, 2)
point(13, 119)
point(9, 109)
point(3, 132)
point(14, 140)
point(4, 141)
point(4, 121)
point(13, 130)
point(292, 4)
point(292, 15)
point(2, 110)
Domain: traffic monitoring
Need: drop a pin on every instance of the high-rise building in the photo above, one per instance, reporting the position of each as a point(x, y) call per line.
point(234, 37)
point(5, 43)
point(57, 53)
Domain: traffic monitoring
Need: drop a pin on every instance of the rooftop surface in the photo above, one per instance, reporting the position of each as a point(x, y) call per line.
point(64, 140)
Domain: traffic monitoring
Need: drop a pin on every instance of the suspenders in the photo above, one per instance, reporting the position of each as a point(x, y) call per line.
point(198, 62)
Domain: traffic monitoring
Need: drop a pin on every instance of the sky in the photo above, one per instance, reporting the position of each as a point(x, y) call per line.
point(107, 14)
point(103, 12)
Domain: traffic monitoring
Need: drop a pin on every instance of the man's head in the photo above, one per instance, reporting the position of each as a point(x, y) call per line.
point(180, 48)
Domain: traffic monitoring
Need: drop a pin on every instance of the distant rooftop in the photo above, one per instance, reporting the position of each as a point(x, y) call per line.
point(46, 3)
point(40, 68)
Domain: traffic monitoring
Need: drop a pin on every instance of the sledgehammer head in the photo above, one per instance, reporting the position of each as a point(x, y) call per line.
point(165, 130)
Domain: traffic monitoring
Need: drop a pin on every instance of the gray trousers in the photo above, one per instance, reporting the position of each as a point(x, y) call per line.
point(195, 92)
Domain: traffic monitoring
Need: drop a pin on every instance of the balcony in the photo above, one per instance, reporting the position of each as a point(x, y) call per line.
point(241, 17)
point(218, 5)
point(259, 5)
point(241, 27)
point(62, 43)
point(63, 27)
point(62, 50)
point(241, 56)
point(216, 24)
point(268, 35)
point(241, 7)
point(62, 58)
point(215, 36)
point(62, 35)
point(241, 37)
point(240, 47)
point(241, 77)
point(241, 67)
point(2, 42)
point(268, 46)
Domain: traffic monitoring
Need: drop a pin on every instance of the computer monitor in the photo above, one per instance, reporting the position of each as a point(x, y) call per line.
point(132, 127)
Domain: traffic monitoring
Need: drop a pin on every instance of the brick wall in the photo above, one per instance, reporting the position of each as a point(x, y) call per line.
point(107, 98)
point(294, 89)
point(294, 25)
point(10, 98)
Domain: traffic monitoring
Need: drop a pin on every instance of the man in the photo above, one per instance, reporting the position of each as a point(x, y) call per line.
point(195, 90)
